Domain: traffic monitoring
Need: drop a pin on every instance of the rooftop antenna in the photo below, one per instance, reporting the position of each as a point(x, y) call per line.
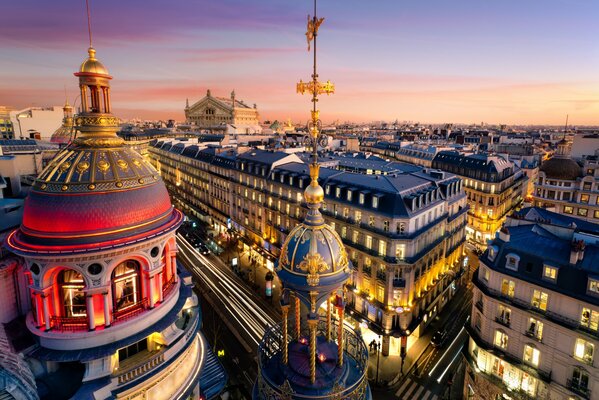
point(566, 126)
point(89, 23)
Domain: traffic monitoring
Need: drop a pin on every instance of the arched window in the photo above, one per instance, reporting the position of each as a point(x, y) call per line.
point(126, 285)
point(72, 297)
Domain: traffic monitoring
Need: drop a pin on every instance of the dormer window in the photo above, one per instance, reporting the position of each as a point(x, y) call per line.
point(593, 287)
point(512, 261)
point(349, 195)
point(291, 180)
point(327, 189)
point(338, 192)
point(361, 199)
point(375, 202)
point(282, 178)
point(492, 253)
point(550, 273)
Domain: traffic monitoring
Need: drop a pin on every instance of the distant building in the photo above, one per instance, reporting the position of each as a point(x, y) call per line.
point(66, 132)
point(36, 120)
point(567, 186)
point(419, 154)
point(6, 129)
point(534, 331)
point(221, 113)
point(494, 187)
point(585, 145)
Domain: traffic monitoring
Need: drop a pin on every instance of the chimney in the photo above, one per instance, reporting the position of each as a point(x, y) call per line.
point(576, 251)
point(503, 234)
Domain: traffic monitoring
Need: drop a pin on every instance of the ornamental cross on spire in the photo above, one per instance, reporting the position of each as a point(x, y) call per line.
point(315, 137)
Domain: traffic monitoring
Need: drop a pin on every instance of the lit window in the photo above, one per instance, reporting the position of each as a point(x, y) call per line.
point(584, 198)
point(371, 221)
point(568, 210)
point(594, 286)
point(358, 216)
point(368, 241)
point(500, 339)
point(531, 355)
point(504, 315)
point(589, 319)
point(125, 285)
point(535, 329)
point(583, 212)
point(73, 298)
point(550, 273)
point(584, 351)
point(486, 274)
point(508, 288)
point(349, 195)
point(361, 199)
point(337, 192)
point(539, 300)
point(344, 232)
point(375, 202)
point(382, 248)
point(512, 262)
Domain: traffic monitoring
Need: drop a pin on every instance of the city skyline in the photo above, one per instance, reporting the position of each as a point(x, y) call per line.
point(462, 63)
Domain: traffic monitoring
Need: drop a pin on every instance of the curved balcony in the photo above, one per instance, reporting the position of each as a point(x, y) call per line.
point(352, 382)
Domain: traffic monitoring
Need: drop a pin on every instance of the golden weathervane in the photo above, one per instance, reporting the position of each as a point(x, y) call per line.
point(315, 88)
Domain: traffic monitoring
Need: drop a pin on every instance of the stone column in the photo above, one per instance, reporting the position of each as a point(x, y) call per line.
point(174, 266)
point(106, 310)
point(39, 313)
point(160, 291)
point(285, 311)
point(46, 306)
point(91, 316)
point(151, 290)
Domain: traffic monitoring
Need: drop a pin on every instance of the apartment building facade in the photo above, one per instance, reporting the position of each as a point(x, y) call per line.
point(404, 232)
point(494, 187)
point(535, 314)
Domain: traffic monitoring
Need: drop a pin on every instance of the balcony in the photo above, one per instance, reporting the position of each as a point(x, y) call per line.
point(356, 356)
point(139, 370)
point(131, 311)
point(503, 321)
point(579, 389)
point(69, 324)
point(533, 335)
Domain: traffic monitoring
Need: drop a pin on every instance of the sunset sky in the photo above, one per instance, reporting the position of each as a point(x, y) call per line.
point(429, 61)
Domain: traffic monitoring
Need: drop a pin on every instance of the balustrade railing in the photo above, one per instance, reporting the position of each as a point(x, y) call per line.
point(69, 324)
point(353, 346)
point(168, 287)
point(131, 311)
point(141, 369)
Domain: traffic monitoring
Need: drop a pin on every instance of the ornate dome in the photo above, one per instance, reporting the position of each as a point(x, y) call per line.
point(92, 65)
point(97, 191)
point(561, 168)
point(313, 258)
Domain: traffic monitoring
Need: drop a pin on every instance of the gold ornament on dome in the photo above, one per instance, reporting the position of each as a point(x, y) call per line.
point(313, 263)
point(315, 87)
point(82, 167)
point(122, 164)
point(136, 162)
point(64, 166)
point(103, 165)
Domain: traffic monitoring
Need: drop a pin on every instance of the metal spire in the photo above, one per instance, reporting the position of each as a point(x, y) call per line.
point(89, 23)
point(315, 136)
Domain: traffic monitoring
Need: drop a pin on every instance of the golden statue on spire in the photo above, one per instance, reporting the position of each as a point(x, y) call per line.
point(313, 25)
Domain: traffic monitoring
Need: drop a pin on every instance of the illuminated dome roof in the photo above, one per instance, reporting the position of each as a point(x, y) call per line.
point(92, 65)
point(97, 192)
point(561, 168)
point(313, 258)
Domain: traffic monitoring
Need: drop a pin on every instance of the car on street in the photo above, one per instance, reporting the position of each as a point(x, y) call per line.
point(202, 248)
point(439, 338)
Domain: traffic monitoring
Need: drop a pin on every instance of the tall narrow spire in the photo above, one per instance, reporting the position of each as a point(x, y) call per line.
point(314, 194)
point(89, 23)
